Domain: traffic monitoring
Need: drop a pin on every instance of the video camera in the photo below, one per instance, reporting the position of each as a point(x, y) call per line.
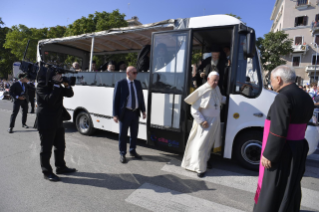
point(44, 72)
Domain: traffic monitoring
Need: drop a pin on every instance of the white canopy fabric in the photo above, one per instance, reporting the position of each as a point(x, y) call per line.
point(117, 39)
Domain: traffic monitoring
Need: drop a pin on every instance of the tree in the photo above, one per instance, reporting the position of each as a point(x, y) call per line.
point(6, 58)
point(272, 47)
point(17, 39)
point(56, 32)
point(99, 21)
point(235, 16)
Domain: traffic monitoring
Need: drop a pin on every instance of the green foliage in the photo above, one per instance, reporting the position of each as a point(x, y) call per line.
point(6, 57)
point(196, 56)
point(99, 21)
point(17, 39)
point(1, 22)
point(272, 47)
point(230, 14)
point(56, 32)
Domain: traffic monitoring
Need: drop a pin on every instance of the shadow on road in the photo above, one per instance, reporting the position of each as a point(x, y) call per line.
point(133, 181)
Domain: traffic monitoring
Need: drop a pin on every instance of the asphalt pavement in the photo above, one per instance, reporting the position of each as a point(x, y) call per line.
point(102, 183)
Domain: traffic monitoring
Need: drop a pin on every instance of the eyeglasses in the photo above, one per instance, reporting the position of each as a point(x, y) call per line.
point(135, 73)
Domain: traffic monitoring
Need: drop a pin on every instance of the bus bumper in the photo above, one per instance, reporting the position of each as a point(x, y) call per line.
point(312, 136)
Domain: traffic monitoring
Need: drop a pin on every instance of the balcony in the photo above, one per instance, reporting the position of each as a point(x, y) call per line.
point(311, 69)
point(300, 48)
point(302, 4)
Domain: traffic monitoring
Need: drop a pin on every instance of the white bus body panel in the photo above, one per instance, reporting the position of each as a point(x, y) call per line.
point(212, 21)
point(246, 108)
point(98, 101)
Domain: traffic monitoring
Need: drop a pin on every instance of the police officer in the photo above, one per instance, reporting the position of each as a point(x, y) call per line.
point(19, 93)
point(31, 94)
point(50, 116)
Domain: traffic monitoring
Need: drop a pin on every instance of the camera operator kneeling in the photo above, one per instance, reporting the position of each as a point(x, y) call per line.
point(50, 116)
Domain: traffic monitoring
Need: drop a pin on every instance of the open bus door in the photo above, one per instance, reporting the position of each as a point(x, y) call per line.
point(169, 84)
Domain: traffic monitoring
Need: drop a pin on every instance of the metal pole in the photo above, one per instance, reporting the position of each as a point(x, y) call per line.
point(91, 54)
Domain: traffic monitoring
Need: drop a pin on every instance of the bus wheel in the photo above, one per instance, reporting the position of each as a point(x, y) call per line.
point(84, 123)
point(248, 149)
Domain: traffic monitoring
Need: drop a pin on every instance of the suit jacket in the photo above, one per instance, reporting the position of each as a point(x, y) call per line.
point(16, 90)
point(50, 110)
point(223, 72)
point(120, 97)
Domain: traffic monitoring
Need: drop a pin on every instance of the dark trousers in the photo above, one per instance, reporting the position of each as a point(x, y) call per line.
point(16, 107)
point(52, 138)
point(130, 120)
point(31, 100)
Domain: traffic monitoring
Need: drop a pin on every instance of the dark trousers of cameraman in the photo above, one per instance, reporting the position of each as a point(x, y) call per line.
point(32, 100)
point(52, 138)
point(16, 107)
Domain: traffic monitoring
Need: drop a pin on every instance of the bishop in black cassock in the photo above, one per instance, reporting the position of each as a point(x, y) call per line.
point(284, 148)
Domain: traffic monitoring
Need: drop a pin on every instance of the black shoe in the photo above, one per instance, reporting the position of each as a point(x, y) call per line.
point(135, 155)
point(209, 165)
point(65, 170)
point(201, 175)
point(10, 130)
point(25, 126)
point(51, 177)
point(123, 159)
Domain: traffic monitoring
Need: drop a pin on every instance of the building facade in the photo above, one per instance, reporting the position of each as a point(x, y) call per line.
point(299, 19)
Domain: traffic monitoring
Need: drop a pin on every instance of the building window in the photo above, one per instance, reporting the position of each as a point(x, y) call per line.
point(301, 21)
point(298, 40)
point(314, 59)
point(317, 39)
point(296, 61)
point(302, 2)
point(317, 18)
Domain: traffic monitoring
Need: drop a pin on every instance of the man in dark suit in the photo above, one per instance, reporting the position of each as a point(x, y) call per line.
point(19, 93)
point(50, 115)
point(31, 94)
point(215, 63)
point(128, 103)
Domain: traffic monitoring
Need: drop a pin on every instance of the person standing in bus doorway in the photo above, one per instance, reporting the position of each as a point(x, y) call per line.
point(128, 103)
point(214, 63)
point(284, 148)
point(205, 133)
point(19, 93)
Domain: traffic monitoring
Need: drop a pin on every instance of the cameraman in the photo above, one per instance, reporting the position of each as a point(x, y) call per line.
point(19, 93)
point(50, 116)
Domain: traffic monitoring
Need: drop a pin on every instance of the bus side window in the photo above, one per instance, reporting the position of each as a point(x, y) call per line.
point(85, 78)
point(248, 79)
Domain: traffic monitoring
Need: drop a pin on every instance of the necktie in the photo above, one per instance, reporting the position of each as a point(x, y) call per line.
point(133, 96)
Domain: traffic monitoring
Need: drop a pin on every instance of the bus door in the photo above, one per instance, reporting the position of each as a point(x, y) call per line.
point(169, 73)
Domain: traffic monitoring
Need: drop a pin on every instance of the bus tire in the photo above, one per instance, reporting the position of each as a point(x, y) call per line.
point(247, 149)
point(84, 123)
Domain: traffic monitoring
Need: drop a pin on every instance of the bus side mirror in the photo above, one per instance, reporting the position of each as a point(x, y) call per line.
point(250, 44)
point(250, 49)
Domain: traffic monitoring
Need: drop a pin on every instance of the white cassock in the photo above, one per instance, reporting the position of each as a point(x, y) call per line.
point(205, 106)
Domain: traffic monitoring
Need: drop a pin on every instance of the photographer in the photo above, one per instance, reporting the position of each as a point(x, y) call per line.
point(50, 116)
point(19, 93)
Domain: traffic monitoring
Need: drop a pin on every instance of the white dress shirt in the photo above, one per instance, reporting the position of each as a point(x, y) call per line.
point(129, 100)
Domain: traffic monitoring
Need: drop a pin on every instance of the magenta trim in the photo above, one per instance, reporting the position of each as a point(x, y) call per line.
point(261, 168)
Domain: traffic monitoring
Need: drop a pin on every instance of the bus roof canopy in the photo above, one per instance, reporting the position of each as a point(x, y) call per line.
point(134, 38)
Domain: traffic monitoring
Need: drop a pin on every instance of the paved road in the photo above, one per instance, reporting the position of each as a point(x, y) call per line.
point(156, 183)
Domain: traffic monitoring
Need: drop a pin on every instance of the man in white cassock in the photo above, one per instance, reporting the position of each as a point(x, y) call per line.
point(205, 134)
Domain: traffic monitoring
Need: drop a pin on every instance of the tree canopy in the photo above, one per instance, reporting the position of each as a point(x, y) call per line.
point(99, 21)
point(272, 47)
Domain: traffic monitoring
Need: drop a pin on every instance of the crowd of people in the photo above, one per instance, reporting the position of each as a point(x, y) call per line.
point(5, 84)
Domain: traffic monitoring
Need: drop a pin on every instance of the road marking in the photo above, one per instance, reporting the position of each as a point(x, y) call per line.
point(159, 199)
point(310, 198)
point(313, 157)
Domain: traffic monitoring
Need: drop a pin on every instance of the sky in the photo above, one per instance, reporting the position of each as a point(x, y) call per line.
point(48, 13)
